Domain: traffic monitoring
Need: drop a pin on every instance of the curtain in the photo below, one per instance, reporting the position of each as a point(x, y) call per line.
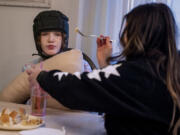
point(103, 17)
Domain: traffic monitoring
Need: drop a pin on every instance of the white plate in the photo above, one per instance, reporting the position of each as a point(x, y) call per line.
point(19, 126)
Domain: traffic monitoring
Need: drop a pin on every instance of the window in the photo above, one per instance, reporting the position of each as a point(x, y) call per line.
point(176, 10)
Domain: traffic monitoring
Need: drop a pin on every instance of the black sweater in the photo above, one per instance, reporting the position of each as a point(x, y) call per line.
point(134, 99)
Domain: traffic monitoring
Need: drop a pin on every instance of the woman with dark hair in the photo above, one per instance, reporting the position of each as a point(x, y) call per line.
point(139, 95)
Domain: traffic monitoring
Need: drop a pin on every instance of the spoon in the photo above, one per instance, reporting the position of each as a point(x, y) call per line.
point(84, 35)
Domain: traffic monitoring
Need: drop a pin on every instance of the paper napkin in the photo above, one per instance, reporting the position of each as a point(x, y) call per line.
point(43, 131)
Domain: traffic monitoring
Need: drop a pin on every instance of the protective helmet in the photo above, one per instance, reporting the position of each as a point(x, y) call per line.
point(50, 20)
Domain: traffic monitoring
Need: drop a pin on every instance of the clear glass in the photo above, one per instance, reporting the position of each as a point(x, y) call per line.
point(38, 101)
point(38, 95)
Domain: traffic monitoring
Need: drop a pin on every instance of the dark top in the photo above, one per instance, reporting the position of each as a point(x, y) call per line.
point(134, 99)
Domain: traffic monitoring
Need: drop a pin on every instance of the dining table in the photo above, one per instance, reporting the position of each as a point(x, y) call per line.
point(73, 121)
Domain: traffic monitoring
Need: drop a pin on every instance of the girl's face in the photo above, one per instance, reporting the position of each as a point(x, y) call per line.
point(51, 42)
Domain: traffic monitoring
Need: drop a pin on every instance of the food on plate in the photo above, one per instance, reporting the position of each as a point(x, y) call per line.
point(13, 114)
point(22, 113)
point(3, 111)
point(32, 122)
point(12, 117)
point(5, 119)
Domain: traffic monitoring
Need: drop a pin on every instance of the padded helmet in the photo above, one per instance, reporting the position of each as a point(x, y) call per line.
point(50, 20)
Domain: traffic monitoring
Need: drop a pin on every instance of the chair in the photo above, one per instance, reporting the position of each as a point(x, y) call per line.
point(85, 57)
point(88, 59)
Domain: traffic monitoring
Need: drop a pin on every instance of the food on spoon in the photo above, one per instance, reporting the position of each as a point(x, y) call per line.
point(76, 29)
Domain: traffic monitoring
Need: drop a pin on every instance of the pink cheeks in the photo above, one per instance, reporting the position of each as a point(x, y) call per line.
point(51, 42)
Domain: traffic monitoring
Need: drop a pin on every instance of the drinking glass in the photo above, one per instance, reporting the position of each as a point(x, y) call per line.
point(38, 101)
point(38, 95)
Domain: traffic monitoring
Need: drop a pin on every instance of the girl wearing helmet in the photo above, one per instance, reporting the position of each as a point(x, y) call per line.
point(51, 34)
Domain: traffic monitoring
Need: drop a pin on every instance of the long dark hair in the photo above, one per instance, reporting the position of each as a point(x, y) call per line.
point(150, 31)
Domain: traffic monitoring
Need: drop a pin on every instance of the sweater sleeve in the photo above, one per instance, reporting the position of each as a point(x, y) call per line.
point(118, 89)
point(88, 91)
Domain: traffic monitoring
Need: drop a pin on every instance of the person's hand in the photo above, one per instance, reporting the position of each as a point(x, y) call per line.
point(104, 50)
point(33, 72)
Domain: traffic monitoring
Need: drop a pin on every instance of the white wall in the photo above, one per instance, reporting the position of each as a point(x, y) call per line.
point(91, 16)
point(16, 35)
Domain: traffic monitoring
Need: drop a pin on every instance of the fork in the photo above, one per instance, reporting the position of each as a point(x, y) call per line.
point(84, 35)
